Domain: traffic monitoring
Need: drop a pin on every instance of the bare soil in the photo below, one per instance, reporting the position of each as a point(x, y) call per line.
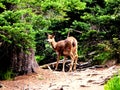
point(45, 79)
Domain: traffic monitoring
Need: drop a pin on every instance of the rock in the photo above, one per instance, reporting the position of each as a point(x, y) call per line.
point(52, 85)
point(110, 63)
point(1, 85)
point(111, 68)
point(88, 74)
point(61, 88)
point(84, 86)
point(105, 80)
point(65, 85)
point(89, 81)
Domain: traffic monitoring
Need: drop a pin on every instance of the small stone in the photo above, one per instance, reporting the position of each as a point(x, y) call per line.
point(1, 86)
point(88, 75)
point(89, 81)
point(61, 88)
point(84, 86)
point(94, 74)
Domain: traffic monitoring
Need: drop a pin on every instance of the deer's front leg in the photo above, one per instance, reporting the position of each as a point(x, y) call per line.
point(58, 58)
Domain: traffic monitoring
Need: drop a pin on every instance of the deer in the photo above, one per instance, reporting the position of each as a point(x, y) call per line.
point(66, 48)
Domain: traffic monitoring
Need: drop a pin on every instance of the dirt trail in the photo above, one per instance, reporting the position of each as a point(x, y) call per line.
point(88, 79)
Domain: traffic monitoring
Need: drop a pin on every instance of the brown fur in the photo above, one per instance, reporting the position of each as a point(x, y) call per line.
point(67, 47)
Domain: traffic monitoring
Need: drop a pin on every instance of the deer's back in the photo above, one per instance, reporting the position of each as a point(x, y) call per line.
point(73, 41)
point(63, 47)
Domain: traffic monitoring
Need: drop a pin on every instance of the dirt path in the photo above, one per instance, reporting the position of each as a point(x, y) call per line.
point(88, 79)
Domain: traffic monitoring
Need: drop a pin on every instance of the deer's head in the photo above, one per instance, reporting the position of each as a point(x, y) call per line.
point(50, 38)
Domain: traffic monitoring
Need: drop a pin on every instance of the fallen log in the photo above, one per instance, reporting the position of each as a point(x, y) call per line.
point(52, 65)
point(80, 66)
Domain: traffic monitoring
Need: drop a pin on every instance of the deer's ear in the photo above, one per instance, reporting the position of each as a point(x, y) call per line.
point(53, 35)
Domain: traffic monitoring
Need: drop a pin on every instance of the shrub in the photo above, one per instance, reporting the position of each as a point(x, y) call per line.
point(39, 58)
point(113, 83)
point(103, 53)
point(101, 58)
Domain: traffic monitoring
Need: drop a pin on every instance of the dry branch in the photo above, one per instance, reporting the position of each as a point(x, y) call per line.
point(48, 66)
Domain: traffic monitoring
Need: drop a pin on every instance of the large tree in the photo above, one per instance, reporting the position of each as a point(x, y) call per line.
point(17, 44)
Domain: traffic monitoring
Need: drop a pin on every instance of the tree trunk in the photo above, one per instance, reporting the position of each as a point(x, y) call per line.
point(24, 63)
point(17, 60)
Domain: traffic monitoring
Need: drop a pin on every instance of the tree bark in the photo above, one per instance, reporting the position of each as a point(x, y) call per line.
point(24, 63)
point(17, 60)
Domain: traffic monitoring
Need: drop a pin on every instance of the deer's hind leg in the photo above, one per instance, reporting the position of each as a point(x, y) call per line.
point(63, 69)
point(72, 62)
point(75, 62)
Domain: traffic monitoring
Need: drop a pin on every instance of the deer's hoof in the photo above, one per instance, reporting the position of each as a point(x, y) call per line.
point(70, 70)
point(55, 69)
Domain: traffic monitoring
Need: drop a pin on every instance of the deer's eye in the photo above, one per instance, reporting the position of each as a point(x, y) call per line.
point(51, 37)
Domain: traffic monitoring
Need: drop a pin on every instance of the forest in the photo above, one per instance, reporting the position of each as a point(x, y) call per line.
point(24, 24)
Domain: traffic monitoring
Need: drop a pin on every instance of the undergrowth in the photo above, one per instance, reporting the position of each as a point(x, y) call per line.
point(8, 75)
point(113, 83)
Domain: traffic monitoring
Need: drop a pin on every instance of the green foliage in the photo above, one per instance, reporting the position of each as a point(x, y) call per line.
point(103, 53)
point(116, 49)
point(13, 1)
point(39, 58)
point(8, 75)
point(113, 83)
point(23, 24)
point(2, 6)
point(61, 5)
point(101, 58)
point(102, 46)
point(14, 31)
point(82, 26)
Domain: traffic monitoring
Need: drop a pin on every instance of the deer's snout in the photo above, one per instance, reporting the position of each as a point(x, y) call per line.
point(49, 40)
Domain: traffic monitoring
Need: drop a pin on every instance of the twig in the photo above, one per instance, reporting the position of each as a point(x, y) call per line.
point(49, 68)
point(73, 30)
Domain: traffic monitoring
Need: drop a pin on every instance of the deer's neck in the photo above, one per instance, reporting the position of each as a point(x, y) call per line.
point(53, 43)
